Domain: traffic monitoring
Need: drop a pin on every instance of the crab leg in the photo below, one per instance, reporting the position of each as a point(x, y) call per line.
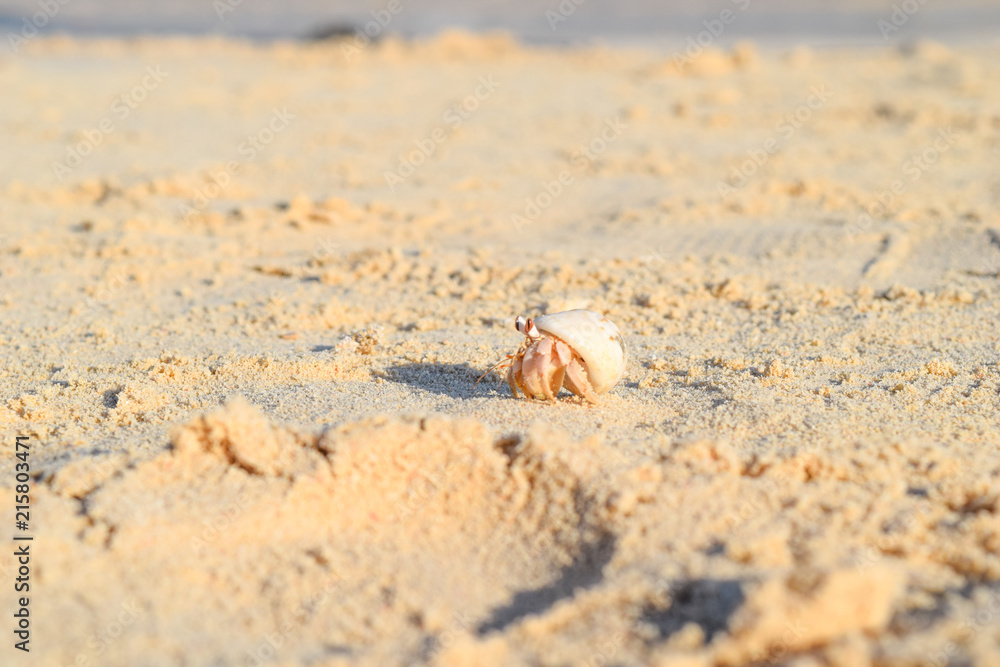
point(546, 366)
point(531, 371)
point(512, 373)
point(563, 353)
point(577, 382)
point(553, 386)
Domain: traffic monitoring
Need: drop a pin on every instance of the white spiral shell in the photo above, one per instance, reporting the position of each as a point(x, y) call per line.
point(595, 338)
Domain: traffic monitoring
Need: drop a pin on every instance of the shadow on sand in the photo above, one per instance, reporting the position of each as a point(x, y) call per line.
point(454, 380)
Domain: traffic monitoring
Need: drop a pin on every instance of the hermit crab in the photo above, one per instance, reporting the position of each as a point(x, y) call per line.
point(580, 350)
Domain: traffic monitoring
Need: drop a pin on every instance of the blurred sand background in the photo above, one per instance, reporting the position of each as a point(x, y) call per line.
point(621, 21)
point(246, 354)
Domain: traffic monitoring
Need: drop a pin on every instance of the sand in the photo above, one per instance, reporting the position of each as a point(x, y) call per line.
point(242, 329)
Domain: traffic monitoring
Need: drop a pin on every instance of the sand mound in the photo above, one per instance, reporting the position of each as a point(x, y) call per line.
point(430, 540)
point(431, 519)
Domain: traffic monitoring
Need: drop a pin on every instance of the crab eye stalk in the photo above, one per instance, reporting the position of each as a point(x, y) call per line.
point(526, 326)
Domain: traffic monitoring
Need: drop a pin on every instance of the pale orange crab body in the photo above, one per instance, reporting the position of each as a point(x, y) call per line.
point(580, 350)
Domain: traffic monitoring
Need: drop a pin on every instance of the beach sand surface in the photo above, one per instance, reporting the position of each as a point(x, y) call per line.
point(246, 292)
